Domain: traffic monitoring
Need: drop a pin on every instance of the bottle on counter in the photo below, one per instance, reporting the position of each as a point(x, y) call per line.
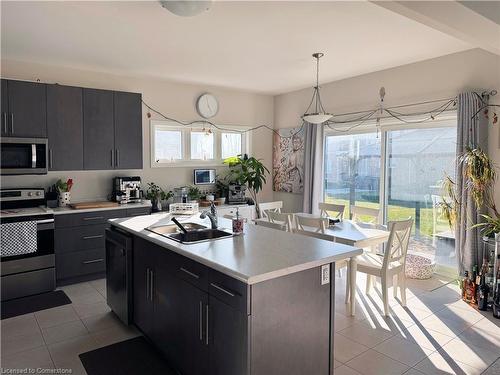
point(483, 294)
point(470, 289)
point(463, 282)
point(496, 303)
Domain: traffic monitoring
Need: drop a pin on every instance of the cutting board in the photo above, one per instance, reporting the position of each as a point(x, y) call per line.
point(87, 205)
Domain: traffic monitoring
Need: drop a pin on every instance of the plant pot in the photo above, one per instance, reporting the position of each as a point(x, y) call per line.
point(64, 199)
point(221, 200)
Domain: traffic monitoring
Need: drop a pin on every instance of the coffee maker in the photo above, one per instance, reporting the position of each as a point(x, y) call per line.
point(127, 189)
point(236, 194)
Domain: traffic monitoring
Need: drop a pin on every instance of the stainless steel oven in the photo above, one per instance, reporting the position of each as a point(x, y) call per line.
point(24, 156)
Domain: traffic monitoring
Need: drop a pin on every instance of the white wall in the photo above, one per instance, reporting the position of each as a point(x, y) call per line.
point(173, 99)
point(438, 78)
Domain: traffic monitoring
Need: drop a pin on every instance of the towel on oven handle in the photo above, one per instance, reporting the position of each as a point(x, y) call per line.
point(17, 238)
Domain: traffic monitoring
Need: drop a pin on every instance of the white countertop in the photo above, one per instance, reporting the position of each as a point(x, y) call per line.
point(69, 210)
point(259, 254)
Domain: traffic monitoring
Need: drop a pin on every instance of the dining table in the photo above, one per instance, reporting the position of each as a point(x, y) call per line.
point(353, 233)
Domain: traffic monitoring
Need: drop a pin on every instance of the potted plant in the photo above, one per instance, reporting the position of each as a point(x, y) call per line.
point(153, 193)
point(64, 190)
point(249, 171)
point(222, 187)
point(194, 193)
point(165, 197)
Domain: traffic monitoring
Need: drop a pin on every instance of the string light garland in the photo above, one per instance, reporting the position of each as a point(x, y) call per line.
point(377, 114)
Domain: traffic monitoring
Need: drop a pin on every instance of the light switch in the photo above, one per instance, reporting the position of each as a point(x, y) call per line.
point(325, 274)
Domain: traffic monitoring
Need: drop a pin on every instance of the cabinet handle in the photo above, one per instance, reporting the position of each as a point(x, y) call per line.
point(92, 237)
point(93, 218)
point(117, 161)
point(201, 321)
point(147, 284)
point(93, 261)
point(223, 290)
point(112, 159)
point(189, 273)
point(12, 123)
point(151, 289)
point(4, 122)
point(206, 322)
point(50, 158)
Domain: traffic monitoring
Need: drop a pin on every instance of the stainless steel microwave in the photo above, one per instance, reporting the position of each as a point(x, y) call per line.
point(24, 156)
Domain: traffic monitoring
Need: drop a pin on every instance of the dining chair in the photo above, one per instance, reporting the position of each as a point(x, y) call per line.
point(269, 206)
point(270, 224)
point(317, 224)
point(338, 209)
point(358, 212)
point(338, 264)
point(390, 264)
point(284, 219)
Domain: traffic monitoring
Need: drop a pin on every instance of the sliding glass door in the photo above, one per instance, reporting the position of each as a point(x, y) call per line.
point(417, 160)
point(400, 170)
point(352, 170)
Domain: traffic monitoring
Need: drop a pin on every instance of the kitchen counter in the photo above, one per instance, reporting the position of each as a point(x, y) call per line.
point(258, 255)
point(69, 210)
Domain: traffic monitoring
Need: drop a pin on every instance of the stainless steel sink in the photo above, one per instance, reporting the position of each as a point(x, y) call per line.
point(196, 233)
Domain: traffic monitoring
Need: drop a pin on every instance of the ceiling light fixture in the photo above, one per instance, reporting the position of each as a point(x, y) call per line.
point(186, 8)
point(319, 115)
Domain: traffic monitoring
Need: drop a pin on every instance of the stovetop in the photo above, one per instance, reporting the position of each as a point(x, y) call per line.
point(23, 212)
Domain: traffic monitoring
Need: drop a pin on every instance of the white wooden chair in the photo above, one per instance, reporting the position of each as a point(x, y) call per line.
point(269, 206)
point(338, 209)
point(283, 219)
point(391, 263)
point(358, 212)
point(269, 224)
point(318, 224)
point(338, 264)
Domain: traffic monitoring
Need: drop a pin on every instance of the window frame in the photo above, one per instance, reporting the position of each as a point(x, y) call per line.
point(186, 161)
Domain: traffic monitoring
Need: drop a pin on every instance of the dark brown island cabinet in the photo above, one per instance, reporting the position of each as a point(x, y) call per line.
point(206, 322)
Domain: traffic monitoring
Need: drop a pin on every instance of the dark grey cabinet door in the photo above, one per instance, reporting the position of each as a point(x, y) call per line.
point(227, 339)
point(144, 259)
point(27, 115)
point(5, 107)
point(98, 129)
point(128, 130)
point(65, 127)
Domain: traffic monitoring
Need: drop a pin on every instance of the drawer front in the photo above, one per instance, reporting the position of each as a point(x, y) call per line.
point(80, 263)
point(191, 271)
point(138, 211)
point(79, 238)
point(229, 290)
point(87, 218)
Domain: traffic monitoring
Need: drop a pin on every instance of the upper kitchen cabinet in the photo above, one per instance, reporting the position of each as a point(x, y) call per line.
point(65, 127)
point(128, 130)
point(98, 129)
point(24, 111)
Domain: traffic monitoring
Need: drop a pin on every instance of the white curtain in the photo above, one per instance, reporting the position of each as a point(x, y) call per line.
point(313, 167)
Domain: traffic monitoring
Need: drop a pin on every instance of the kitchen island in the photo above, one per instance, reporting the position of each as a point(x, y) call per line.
point(257, 303)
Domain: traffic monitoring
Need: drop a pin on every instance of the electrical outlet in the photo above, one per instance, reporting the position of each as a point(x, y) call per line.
point(325, 274)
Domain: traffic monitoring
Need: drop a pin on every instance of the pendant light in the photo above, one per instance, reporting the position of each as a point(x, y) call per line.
point(319, 115)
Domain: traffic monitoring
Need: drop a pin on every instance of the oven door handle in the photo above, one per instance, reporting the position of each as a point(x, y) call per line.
point(47, 224)
point(45, 221)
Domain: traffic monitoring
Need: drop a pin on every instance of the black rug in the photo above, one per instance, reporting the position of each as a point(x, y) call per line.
point(131, 357)
point(25, 305)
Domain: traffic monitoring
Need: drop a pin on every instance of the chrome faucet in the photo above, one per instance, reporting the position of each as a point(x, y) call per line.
point(211, 214)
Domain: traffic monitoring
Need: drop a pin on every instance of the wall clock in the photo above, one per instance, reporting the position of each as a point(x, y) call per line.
point(207, 105)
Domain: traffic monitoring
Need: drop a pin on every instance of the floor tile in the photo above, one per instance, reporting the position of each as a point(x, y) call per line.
point(64, 332)
point(440, 364)
point(56, 316)
point(16, 344)
point(344, 370)
point(101, 322)
point(115, 334)
point(403, 350)
point(86, 310)
point(336, 363)
point(19, 325)
point(449, 327)
point(483, 334)
point(469, 354)
point(372, 362)
point(75, 290)
point(33, 358)
point(65, 353)
point(88, 298)
point(346, 349)
point(413, 371)
point(366, 334)
point(470, 316)
point(342, 321)
point(426, 338)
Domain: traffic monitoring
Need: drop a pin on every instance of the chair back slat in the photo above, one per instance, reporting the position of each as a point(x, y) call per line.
point(337, 209)
point(319, 224)
point(269, 206)
point(271, 225)
point(319, 235)
point(278, 217)
point(357, 212)
point(399, 239)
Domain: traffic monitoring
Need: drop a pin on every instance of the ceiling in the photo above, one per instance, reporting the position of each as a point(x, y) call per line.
point(256, 46)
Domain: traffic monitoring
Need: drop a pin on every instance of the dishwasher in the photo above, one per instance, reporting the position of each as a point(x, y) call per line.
point(119, 273)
